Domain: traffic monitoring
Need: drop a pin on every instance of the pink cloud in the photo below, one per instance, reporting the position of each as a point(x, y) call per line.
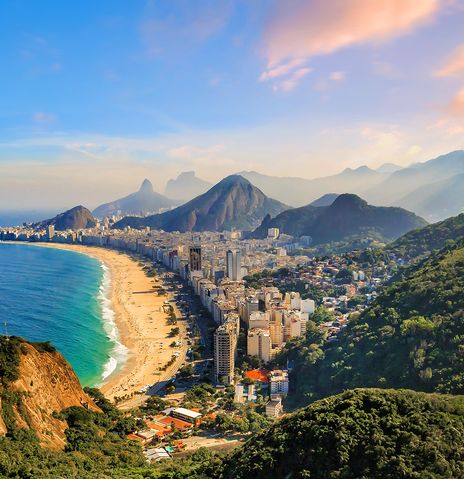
point(456, 107)
point(292, 81)
point(455, 64)
point(281, 70)
point(306, 28)
point(337, 76)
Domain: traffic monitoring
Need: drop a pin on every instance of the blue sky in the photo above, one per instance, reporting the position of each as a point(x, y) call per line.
point(97, 95)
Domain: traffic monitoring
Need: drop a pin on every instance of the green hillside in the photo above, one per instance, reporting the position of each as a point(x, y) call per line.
point(422, 242)
point(360, 434)
point(411, 337)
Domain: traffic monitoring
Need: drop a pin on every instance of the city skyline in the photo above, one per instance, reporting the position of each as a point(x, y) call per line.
point(96, 98)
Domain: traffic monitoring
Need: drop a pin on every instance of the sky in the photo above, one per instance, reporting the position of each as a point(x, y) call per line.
point(96, 96)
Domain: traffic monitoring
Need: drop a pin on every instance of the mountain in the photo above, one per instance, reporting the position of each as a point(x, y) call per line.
point(186, 186)
point(388, 168)
point(424, 241)
point(299, 191)
point(402, 183)
point(347, 216)
point(233, 203)
point(410, 337)
point(437, 201)
point(36, 384)
point(146, 200)
point(76, 218)
point(325, 200)
point(360, 434)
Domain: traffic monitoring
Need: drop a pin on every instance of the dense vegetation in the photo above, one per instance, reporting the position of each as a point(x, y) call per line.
point(426, 240)
point(412, 336)
point(96, 448)
point(360, 434)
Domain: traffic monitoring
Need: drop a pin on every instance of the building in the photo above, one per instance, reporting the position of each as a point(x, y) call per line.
point(259, 344)
point(156, 454)
point(274, 408)
point(273, 233)
point(245, 393)
point(186, 415)
point(225, 349)
point(234, 265)
point(50, 233)
point(278, 384)
point(195, 258)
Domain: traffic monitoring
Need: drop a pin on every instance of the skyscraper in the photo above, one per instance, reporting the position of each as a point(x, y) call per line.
point(234, 265)
point(225, 347)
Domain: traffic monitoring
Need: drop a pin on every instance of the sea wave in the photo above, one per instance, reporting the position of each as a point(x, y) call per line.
point(119, 352)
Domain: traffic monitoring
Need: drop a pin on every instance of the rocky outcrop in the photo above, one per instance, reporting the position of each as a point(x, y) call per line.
point(45, 385)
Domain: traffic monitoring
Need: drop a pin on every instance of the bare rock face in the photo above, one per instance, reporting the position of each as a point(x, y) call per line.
point(47, 385)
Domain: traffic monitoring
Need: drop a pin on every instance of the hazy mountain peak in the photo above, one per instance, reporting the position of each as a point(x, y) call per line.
point(186, 186)
point(146, 186)
point(388, 168)
point(145, 200)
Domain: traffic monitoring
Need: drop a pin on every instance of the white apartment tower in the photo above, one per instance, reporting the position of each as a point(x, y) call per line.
point(234, 265)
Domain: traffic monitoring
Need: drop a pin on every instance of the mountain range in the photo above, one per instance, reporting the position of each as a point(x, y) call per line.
point(299, 191)
point(433, 189)
point(347, 216)
point(143, 201)
point(76, 218)
point(233, 203)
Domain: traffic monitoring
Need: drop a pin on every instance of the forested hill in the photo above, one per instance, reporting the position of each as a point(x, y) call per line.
point(364, 434)
point(412, 337)
point(422, 242)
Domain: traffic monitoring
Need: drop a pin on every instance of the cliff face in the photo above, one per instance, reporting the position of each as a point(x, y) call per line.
point(47, 385)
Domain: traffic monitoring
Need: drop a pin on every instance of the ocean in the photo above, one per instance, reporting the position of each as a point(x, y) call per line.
point(61, 296)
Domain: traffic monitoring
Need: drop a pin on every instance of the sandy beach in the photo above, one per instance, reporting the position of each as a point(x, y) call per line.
point(141, 323)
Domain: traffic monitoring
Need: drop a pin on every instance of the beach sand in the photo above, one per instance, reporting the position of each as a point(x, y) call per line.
point(141, 323)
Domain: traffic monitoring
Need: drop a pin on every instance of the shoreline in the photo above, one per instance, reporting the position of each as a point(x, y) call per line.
point(135, 309)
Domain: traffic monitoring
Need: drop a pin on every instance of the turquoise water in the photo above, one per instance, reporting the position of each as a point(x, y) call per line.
point(59, 296)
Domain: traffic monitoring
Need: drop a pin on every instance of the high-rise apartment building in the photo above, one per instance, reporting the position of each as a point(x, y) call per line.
point(50, 232)
point(234, 265)
point(225, 348)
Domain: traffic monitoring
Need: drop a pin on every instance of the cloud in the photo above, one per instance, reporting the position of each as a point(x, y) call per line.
point(292, 81)
point(42, 118)
point(302, 29)
point(281, 70)
point(385, 69)
point(456, 106)
point(337, 76)
point(454, 65)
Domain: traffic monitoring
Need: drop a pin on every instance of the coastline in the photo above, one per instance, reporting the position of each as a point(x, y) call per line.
point(133, 316)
